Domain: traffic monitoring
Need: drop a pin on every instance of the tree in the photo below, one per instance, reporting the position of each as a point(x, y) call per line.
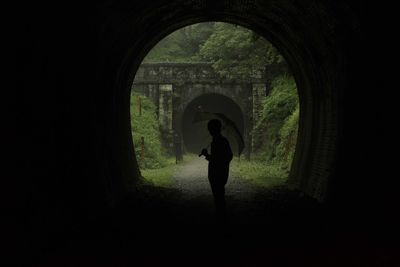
point(232, 49)
point(182, 45)
point(235, 50)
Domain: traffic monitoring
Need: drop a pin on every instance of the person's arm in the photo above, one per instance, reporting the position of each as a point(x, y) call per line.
point(208, 156)
point(204, 152)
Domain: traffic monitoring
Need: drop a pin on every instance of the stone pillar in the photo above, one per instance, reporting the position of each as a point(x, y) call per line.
point(165, 117)
point(247, 143)
point(177, 123)
point(178, 147)
point(259, 91)
point(248, 120)
point(153, 93)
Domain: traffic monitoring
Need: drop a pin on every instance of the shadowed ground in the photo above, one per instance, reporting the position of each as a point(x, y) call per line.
point(176, 227)
point(244, 199)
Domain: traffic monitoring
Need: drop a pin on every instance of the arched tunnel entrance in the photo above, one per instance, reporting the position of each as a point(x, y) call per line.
point(195, 134)
point(79, 157)
point(312, 164)
point(182, 96)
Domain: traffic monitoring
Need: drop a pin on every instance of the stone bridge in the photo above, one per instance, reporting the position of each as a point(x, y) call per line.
point(180, 89)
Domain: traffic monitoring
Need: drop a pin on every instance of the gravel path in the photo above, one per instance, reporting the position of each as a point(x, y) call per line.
point(191, 180)
point(189, 200)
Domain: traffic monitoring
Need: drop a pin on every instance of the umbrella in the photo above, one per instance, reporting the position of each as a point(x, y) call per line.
point(228, 125)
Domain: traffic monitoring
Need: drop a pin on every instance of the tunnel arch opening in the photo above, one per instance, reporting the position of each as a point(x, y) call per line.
point(316, 77)
point(259, 81)
point(195, 135)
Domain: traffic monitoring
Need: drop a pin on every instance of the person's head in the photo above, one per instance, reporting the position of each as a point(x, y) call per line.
point(214, 127)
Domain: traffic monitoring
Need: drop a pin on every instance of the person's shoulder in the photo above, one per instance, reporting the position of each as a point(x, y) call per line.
point(224, 139)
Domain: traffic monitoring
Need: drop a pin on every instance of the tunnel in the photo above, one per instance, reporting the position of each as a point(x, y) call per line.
point(70, 130)
point(195, 134)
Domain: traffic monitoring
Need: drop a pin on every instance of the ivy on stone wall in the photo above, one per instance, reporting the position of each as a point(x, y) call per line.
point(275, 133)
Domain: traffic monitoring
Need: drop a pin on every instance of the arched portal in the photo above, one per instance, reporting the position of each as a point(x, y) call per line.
point(317, 67)
point(195, 135)
point(78, 155)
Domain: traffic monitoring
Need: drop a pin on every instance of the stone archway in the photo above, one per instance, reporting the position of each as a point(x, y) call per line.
point(172, 86)
point(195, 135)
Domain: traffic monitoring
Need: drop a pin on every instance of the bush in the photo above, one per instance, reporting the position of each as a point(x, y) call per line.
point(274, 136)
point(288, 138)
point(259, 173)
point(146, 125)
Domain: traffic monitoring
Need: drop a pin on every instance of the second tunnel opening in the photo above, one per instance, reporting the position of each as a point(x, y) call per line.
point(195, 134)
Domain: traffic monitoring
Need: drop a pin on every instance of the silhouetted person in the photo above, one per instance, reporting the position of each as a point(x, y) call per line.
point(218, 166)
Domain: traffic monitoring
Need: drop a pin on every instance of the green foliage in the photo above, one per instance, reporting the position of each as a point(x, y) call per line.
point(274, 135)
point(258, 172)
point(282, 100)
point(237, 51)
point(162, 176)
point(288, 138)
point(233, 50)
point(182, 45)
point(146, 125)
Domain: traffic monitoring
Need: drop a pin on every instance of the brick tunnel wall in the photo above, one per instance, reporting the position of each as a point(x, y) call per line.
point(73, 143)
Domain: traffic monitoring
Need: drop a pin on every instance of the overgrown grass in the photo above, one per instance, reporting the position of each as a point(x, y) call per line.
point(259, 173)
point(162, 176)
point(189, 157)
point(256, 172)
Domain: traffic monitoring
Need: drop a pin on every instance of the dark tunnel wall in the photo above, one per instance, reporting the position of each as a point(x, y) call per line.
point(195, 135)
point(75, 65)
